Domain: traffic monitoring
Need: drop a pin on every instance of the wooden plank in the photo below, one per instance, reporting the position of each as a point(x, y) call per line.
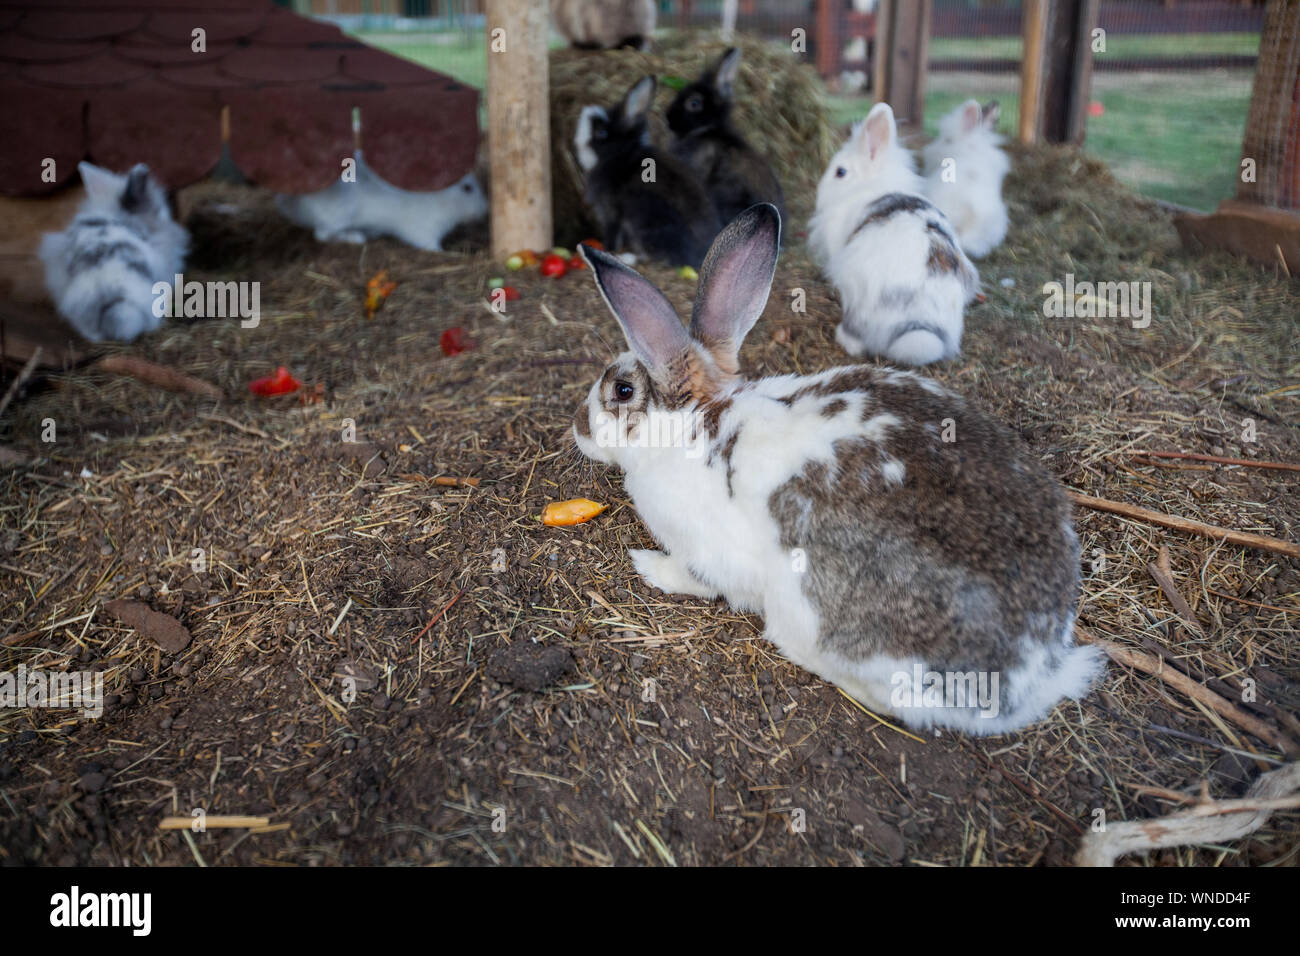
point(902, 55)
point(1261, 233)
point(1056, 77)
point(27, 316)
point(26, 326)
point(519, 146)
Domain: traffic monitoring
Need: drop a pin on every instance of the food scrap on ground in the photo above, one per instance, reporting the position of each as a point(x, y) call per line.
point(455, 340)
point(561, 514)
point(281, 383)
point(378, 289)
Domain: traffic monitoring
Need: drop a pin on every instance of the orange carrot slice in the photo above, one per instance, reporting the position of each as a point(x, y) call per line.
point(561, 514)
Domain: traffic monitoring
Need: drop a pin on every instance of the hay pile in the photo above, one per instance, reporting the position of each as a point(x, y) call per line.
point(329, 562)
point(780, 109)
point(1221, 318)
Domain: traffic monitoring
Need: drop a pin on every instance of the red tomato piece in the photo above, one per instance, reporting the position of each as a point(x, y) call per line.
point(553, 266)
point(281, 383)
point(454, 341)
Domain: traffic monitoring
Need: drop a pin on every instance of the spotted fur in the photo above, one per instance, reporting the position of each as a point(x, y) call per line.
point(833, 505)
point(893, 256)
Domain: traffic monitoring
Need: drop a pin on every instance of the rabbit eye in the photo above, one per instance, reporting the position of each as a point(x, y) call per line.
point(840, 172)
point(467, 188)
point(623, 391)
point(694, 103)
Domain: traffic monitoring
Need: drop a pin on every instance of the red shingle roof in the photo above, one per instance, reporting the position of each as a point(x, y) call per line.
point(118, 83)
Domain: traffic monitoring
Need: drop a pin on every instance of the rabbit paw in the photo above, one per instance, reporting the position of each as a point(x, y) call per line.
point(849, 342)
point(664, 572)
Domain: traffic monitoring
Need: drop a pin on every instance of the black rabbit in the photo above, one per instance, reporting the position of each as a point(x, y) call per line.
point(733, 173)
point(645, 201)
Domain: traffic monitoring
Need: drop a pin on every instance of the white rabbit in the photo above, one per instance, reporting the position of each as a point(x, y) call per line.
point(964, 169)
point(101, 269)
point(878, 553)
point(902, 277)
point(372, 207)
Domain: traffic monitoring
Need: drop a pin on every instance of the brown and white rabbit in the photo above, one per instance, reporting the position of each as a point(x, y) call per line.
point(704, 138)
point(892, 255)
point(886, 530)
point(646, 202)
point(605, 24)
point(964, 169)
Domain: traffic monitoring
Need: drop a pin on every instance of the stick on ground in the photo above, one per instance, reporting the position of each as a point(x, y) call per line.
point(1131, 657)
point(155, 374)
point(22, 377)
point(1160, 571)
point(213, 823)
point(1215, 821)
point(1243, 462)
point(1242, 538)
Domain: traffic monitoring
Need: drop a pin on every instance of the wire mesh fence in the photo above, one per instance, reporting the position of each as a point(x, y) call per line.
point(1170, 94)
point(1171, 78)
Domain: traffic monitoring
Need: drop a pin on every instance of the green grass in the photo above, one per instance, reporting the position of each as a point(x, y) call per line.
point(1118, 45)
point(1172, 136)
point(1175, 137)
point(461, 55)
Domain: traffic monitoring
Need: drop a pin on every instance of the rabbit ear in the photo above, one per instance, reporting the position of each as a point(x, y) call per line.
point(970, 115)
point(100, 183)
point(649, 323)
point(724, 73)
point(734, 283)
point(878, 131)
point(136, 194)
point(637, 102)
point(990, 112)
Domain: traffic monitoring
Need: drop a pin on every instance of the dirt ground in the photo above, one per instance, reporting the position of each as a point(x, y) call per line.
point(560, 711)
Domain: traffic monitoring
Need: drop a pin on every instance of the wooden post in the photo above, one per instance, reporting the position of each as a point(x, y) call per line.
point(902, 55)
point(684, 10)
point(828, 51)
point(519, 139)
point(1263, 222)
point(1272, 140)
point(1056, 72)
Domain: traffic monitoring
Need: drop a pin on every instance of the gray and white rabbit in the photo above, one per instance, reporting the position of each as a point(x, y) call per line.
point(101, 269)
point(645, 201)
point(893, 256)
point(886, 529)
point(964, 169)
point(605, 24)
point(371, 207)
point(705, 139)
